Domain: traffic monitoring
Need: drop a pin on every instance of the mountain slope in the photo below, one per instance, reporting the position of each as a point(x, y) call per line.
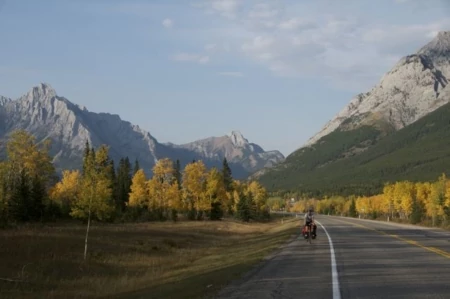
point(46, 115)
point(405, 94)
point(236, 149)
point(419, 151)
point(415, 87)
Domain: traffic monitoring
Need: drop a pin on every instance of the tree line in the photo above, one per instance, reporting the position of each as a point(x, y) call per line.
point(420, 202)
point(30, 190)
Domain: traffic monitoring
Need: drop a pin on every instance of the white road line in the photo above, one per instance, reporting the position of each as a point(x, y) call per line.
point(334, 273)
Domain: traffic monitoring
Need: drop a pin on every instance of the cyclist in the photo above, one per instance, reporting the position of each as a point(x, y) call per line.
point(309, 219)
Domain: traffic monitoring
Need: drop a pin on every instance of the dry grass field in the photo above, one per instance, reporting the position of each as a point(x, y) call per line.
point(145, 260)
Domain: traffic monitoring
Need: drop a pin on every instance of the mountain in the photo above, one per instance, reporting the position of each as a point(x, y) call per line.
point(418, 152)
point(46, 115)
point(415, 87)
point(236, 149)
point(405, 94)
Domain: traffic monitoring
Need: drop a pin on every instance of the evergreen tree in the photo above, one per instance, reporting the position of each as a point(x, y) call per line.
point(417, 212)
point(113, 179)
point(136, 166)
point(177, 173)
point(123, 183)
point(227, 175)
point(127, 178)
point(37, 199)
point(19, 203)
point(352, 210)
point(243, 209)
point(86, 155)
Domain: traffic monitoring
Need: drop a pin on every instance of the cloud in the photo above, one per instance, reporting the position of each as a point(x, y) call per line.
point(225, 8)
point(297, 23)
point(168, 23)
point(186, 57)
point(231, 74)
point(264, 11)
point(210, 47)
point(331, 44)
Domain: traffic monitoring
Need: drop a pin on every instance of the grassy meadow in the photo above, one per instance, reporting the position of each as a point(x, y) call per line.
point(184, 259)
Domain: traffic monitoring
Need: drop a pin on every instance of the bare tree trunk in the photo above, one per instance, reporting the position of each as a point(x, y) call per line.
point(87, 230)
point(89, 223)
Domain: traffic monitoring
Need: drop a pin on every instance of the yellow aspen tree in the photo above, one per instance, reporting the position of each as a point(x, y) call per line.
point(67, 190)
point(236, 198)
point(138, 196)
point(174, 196)
point(388, 200)
point(96, 193)
point(215, 194)
point(259, 195)
point(163, 179)
point(194, 181)
point(407, 197)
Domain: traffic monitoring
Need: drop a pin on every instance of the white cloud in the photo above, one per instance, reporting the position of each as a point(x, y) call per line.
point(296, 23)
point(231, 74)
point(264, 11)
point(337, 46)
point(258, 43)
point(186, 57)
point(225, 8)
point(168, 23)
point(210, 47)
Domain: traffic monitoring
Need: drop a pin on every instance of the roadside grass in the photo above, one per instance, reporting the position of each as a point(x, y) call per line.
point(154, 260)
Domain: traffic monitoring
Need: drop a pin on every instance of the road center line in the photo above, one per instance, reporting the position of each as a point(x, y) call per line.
point(415, 243)
point(334, 273)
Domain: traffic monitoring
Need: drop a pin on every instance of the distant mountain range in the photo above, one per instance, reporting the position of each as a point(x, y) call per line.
point(46, 115)
point(381, 135)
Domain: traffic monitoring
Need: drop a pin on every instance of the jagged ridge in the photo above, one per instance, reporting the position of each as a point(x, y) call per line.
point(416, 86)
point(46, 115)
point(405, 94)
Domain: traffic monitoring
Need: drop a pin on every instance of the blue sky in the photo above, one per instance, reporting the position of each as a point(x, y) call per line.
point(188, 69)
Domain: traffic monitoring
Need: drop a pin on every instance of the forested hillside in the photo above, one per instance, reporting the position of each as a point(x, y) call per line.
point(418, 152)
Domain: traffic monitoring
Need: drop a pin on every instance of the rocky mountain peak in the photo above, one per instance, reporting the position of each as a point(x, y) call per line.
point(46, 115)
point(414, 87)
point(4, 100)
point(43, 90)
point(438, 49)
point(238, 139)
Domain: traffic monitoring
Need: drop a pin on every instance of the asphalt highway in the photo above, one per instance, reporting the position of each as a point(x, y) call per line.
point(366, 259)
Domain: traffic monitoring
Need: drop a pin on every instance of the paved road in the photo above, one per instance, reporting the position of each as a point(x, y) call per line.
point(373, 260)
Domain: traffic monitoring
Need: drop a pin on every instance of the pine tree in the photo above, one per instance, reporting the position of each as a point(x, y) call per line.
point(19, 203)
point(227, 175)
point(177, 173)
point(123, 183)
point(136, 166)
point(113, 179)
point(86, 155)
point(352, 210)
point(37, 199)
point(127, 178)
point(243, 208)
point(417, 212)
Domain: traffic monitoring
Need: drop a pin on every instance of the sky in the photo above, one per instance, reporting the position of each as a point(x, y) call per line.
point(184, 70)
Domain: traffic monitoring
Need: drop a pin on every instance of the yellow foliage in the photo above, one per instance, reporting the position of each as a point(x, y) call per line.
point(139, 195)
point(194, 181)
point(24, 153)
point(67, 190)
point(96, 197)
